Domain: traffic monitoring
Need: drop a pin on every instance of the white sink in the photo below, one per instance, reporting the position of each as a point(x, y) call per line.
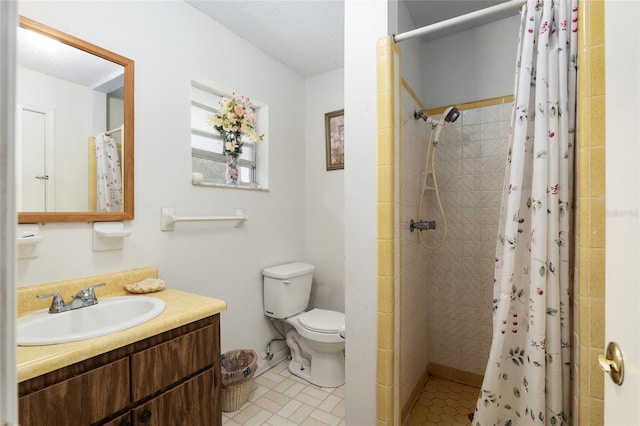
point(111, 314)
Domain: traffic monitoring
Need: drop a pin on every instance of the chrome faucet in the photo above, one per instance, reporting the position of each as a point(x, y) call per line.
point(422, 225)
point(82, 299)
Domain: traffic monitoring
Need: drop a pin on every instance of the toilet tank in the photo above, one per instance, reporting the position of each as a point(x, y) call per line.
point(287, 289)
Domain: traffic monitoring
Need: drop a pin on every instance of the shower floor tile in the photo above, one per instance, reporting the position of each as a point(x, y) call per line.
point(444, 403)
point(278, 398)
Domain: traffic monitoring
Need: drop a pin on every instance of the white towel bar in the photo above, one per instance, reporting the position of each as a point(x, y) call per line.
point(168, 218)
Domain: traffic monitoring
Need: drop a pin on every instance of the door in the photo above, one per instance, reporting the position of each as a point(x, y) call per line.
point(34, 160)
point(622, 67)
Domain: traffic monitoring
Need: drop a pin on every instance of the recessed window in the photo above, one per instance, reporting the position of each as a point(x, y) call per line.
point(207, 155)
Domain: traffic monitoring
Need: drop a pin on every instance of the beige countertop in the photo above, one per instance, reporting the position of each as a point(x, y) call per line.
point(181, 308)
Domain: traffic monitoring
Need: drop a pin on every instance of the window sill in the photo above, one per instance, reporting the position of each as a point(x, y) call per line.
point(224, 185)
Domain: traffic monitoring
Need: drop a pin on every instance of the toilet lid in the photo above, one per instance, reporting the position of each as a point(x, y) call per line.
point(322, 321)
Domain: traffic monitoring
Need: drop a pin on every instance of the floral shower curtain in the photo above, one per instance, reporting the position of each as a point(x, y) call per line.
point(528, 373)
point(109, 174)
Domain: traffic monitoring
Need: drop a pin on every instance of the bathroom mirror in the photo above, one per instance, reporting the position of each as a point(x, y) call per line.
point(74, 129)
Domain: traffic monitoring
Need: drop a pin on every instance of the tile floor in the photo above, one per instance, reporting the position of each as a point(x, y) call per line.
point(278, 398)
point(443, 402)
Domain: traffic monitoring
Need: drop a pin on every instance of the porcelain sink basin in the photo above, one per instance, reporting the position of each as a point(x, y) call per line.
point(111, 314)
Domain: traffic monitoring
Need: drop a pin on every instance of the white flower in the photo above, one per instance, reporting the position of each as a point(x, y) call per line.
point(235, 117)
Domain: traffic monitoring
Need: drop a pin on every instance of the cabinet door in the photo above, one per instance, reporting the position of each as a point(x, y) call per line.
point(189, 404)
point(124, 420)
point(80, 400)
point(160, 366)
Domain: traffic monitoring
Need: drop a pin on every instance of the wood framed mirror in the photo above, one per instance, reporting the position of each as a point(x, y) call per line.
point(72, 96)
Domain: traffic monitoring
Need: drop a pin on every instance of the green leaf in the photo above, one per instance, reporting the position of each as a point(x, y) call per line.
point(516, 392)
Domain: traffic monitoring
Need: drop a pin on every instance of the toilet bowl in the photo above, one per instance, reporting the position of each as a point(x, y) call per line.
point(316, 337)
point(317, 342)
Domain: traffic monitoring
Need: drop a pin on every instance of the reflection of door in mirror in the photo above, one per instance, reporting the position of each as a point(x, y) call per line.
point(87, 93)
point(35, 178)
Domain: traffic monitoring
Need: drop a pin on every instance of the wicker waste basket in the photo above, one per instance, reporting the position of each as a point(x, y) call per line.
point(238, 368)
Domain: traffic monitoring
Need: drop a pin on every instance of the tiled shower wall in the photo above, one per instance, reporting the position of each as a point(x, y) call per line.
point(414, 341)
point(469, 169)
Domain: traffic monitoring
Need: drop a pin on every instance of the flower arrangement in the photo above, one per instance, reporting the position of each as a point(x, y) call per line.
point(235, 119)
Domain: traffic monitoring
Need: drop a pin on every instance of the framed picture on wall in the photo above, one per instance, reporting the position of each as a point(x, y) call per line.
point(334, 133)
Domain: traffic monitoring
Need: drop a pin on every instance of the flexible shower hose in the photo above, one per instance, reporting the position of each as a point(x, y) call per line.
point(431, 155)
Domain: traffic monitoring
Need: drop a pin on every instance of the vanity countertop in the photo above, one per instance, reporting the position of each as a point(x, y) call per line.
point(181, 308)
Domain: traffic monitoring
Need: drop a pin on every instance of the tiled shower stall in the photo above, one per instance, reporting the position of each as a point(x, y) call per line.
point(446, 295)
point(469, 168)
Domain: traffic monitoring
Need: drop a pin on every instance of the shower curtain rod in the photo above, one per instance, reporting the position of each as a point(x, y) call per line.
point(110, 132)
point(462, 19)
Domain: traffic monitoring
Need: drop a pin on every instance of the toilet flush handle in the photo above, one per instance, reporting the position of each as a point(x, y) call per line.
point(343, 332)
point(286, 282)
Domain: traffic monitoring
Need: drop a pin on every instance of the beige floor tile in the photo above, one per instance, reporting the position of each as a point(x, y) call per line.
point(443, 403)
point(279, 398)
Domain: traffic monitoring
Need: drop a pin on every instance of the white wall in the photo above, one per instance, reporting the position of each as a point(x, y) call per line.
point(365, 22)
point(171, 42)
point(470, 65)
point(324, 193)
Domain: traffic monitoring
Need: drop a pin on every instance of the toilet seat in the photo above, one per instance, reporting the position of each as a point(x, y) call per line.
point(322, 321)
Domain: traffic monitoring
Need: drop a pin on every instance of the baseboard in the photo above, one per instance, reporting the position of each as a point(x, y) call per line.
point(455, 375)
point(415, 394)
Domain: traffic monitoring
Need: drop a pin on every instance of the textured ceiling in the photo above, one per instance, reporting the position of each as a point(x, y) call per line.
point(308, 35)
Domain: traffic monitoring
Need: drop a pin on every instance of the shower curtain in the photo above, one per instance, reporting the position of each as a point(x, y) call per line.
point(528, 372)
point(109, 175)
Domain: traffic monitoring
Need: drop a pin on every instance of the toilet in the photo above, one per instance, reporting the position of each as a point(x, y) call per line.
point(316, 337)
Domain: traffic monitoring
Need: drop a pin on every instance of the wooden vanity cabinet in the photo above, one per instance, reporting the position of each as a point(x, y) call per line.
point(165, 380)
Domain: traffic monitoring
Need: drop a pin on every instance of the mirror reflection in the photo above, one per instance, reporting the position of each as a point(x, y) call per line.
point(74, 132)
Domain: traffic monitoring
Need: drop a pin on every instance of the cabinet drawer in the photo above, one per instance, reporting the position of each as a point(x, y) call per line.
point(80, 400)
point(189, 404)
point(167, 363)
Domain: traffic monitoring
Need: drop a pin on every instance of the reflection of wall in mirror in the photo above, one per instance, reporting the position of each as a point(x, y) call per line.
point(115, 115)
point(72, 105)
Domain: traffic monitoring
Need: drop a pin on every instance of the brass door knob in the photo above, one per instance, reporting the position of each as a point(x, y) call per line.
point(613, 363)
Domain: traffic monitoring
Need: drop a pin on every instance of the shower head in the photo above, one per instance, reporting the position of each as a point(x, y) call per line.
point(451, 114)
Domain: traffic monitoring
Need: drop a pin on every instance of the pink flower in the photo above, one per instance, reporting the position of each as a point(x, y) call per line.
point(239, 110)
point(543, 27)
point(551, 133)
point(554, 189)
